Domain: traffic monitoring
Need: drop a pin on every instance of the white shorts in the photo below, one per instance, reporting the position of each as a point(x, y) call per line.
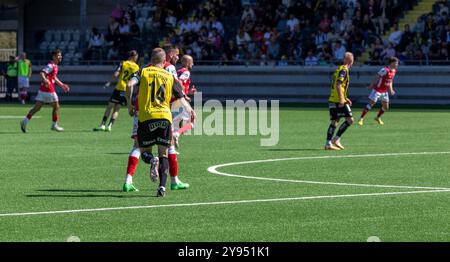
point(374, 96)
point(135, 126)
point(179, 114)
point(47, 97)
point(24, 82)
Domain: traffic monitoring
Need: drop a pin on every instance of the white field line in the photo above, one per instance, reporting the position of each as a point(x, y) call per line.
point(17, 117)
point(218, 203)
point(213, 170)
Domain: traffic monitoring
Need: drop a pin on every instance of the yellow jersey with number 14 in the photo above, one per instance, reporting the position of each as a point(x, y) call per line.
point(127, 70)
point(340, 75)
point(155, 93)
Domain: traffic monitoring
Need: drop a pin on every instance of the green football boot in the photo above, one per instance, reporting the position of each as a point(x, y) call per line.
point(179, 185)
point(129, 188)
point(100, 128)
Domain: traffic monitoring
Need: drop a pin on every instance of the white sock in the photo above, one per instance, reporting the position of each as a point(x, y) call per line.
point(174, 180)
point(26, 120)
point(54, 123)
point(328, 143)
point(129, 179)
point(172, 150)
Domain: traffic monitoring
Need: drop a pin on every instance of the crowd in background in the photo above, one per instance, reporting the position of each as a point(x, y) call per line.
point(274, 32)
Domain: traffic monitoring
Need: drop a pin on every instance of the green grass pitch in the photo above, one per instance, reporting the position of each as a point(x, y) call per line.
point(80, 170)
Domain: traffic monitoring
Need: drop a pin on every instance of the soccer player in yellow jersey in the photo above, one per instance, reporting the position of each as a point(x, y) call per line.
point(124, 72)
point(339, 104)
point(156, 88)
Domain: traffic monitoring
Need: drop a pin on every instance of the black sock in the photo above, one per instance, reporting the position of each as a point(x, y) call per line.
point(342, 128)
point(330, 133)
point(105, 118)
point(111, 121)
point(163, 170)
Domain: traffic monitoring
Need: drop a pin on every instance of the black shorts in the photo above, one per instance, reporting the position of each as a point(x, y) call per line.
point(118, 97)
point(337, 112)
point(154, 132)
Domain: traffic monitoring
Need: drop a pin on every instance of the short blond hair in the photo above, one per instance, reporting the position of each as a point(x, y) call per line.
point(186, 58)
point(349, 58)
point(158, 56)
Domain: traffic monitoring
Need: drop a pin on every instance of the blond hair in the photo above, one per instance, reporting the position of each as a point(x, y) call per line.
point(158, 56)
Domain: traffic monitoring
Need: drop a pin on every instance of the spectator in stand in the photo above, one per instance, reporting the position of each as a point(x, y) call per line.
point(296, 56)
point(274, 48)
point(113, 53)
point(117, 13)
point(217, 25)
point(171, 20)
point(396, 36)
point(338, 52)
point(248, 11)
point(388, 52)
point(325, 54)
point(248, 24)
point(407, 37)
point(113, 33)
point(124, 27)
point(434, 50)
point(96, 43)
point(135, 31)
point(230, 51)
point(292, 22)
point(325, 23)
point(311, 60)
point(242, 37)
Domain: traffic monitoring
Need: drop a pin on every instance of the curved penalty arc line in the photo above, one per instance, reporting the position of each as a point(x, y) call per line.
point(214, 170)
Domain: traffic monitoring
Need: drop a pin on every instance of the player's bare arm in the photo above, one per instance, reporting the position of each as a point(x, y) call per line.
point(65, 87)
point(391, 89)
point(374, 82)
point(340, 94)
point(114, 76)
point(44, 79)
point(189, 109)
point(129, 96)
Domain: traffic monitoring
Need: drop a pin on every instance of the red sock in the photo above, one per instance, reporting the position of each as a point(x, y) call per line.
point(29, 116)
point(380, 113)
point(185, 128)
point(173, 165)
point(55, 117)
point(364, 112)
point(132, 164)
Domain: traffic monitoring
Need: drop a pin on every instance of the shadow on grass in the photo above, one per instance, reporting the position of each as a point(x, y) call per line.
point(292, 149)
point(117, 153)
point(80, 190)
point(92, 196)
point(119, 194)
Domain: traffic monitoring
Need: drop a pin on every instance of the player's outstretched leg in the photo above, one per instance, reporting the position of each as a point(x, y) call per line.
point(27, 118)
point(363, 114)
